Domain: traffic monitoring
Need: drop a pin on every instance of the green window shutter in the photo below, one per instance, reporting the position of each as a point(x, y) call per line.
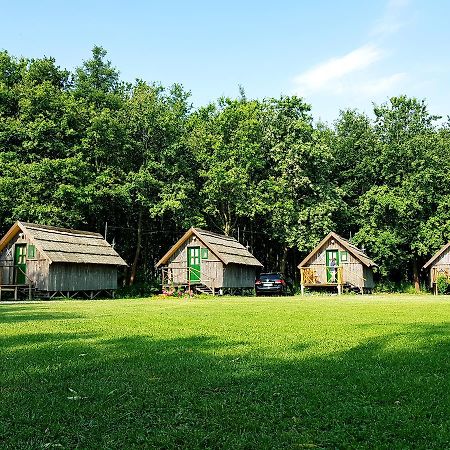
point(31, 251)
point(204, 253)
point(344, 256)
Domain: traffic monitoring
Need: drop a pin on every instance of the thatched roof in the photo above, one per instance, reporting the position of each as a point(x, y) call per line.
point(436, 255)
point(355, 251)
point(226, 248)
point(60, 245)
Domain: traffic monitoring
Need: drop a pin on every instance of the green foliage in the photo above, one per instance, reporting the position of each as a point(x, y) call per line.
point(399, 287)
point(442, 283)
point(139, 290)
point(85, 148)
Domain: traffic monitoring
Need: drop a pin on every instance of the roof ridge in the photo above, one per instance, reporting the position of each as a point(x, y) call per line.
point(213, 233)
point(59, 229)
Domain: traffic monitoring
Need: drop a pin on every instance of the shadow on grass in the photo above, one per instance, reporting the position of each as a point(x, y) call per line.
point(15, 314)
point(82, 391)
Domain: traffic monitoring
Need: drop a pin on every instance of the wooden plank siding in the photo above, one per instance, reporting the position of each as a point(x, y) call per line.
point(37, 267)
point(239, 276)
point(81, 277)
point(45, 274)
point(353, 271)
point(440, 266)
point(211, 268)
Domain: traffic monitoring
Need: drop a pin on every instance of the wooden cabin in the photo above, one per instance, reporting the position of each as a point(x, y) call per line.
point(439, 265)
point(208, 262)
point(47, 261)
point(335, 262)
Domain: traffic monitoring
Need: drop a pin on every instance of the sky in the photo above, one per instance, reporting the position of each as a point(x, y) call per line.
point(335, 54)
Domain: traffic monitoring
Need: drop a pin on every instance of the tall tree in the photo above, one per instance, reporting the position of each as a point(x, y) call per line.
point(158, 178)
point(226, 140)
point(409, 184)
point(298, 196)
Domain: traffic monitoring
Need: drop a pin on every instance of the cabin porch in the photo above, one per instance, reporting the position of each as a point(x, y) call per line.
point(188, 279)
point(437, 272)
point(339, 277)
point(13, 279)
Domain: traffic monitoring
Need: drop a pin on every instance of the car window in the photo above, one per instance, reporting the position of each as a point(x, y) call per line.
point(270, 276)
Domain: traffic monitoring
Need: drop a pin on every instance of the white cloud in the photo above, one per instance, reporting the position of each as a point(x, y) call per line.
point(327, 76)
point(392, 19)
point(380, 86)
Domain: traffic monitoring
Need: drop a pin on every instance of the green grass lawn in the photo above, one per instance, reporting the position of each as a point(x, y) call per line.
point(265, 373)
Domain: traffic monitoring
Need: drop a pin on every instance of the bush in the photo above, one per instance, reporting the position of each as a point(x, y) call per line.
point(142, 289)
point(399, 287)
point(442, 284)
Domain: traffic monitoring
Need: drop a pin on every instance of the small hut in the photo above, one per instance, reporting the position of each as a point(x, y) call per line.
point(439, 265)
point(208, 262)
point(49, 261)
point(335, 262)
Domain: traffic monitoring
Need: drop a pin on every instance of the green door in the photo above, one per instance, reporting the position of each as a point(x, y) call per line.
point(193, 259)
point(332, 269)
point(20, 262)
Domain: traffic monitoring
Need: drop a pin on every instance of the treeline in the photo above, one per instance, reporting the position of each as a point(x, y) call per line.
point(86, 149)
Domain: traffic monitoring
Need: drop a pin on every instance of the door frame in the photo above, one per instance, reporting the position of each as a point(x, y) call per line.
point(328, 253)
point(19, 277)
point(192, 259)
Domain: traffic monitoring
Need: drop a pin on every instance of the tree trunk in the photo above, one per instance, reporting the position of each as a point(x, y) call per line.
point(416, 276)
point(284, 261)
point(138, 249)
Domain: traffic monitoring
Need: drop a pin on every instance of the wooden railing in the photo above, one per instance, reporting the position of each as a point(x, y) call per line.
point(14, 287)
point(181, 276)
point(439, 272)
point(308, 275)
point(16, 267)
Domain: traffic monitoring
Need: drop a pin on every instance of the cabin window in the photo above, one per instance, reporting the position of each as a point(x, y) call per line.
point(204, 253)
point(344, 256)
point(31, 251)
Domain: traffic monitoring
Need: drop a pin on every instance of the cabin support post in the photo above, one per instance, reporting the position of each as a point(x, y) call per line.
point(29, 292)
point(302, 286)
point(189, 281)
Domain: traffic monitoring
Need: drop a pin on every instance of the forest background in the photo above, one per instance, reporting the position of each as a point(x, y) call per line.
point(136, 161)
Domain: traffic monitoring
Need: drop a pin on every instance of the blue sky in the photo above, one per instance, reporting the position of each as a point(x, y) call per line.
point(336, 54)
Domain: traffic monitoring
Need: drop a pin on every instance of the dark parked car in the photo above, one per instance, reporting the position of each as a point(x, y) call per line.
point(272, 283)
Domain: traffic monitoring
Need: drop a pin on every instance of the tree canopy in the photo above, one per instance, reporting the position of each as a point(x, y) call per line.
point(86, 149)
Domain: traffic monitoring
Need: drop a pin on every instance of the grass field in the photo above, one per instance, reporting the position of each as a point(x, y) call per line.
point(236, 373)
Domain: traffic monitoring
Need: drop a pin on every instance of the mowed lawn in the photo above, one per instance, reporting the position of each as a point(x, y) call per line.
point(253, 373)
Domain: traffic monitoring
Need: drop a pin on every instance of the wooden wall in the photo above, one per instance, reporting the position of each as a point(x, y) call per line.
point(37, 267)
point(211, 268)
point(442, 264)
point(56, 276)
point(353, 271)
point(239, 276)
point(81, 277)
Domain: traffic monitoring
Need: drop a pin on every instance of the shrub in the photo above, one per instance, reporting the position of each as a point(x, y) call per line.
point(142, 289)
point(442, 284)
